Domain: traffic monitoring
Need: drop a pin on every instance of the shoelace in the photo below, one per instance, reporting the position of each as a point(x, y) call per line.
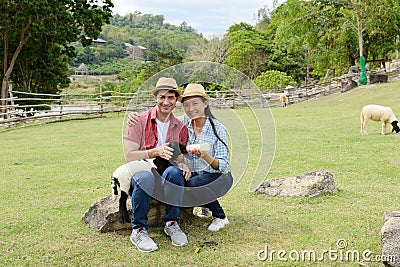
point(141, 235)
point(173, 228)
point(218, 221)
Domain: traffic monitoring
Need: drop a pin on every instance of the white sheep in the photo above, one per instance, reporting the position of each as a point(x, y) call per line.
point(122, 176)
point(283, 99)
point(378, 113)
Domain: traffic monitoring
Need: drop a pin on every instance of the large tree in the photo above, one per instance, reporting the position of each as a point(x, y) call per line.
point(26, 24)
point(248, 49)
point(353, 29)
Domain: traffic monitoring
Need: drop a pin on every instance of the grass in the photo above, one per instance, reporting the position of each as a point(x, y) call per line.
point(52, 173)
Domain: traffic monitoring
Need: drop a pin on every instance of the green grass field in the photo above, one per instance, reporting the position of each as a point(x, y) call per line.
point(52, 173)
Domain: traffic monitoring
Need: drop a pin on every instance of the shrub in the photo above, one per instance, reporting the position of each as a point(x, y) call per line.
point(273, 79)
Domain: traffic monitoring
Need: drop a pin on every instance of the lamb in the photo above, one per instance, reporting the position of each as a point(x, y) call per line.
point(121, 177)
point(283, 99)
point(378, 113)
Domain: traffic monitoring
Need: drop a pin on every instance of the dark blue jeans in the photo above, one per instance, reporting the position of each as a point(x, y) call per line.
point(145, 186)
point(209, 186)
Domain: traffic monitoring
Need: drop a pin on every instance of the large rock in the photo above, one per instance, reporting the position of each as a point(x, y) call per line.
point(348, 84)
point(390, 234)
point(103, 214)
point(310, 184)
point(378, 78)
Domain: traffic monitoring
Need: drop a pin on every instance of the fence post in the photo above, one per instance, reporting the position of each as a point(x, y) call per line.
point(10, 92)
point(119, 99)
point(61, 106)
point(101, 96)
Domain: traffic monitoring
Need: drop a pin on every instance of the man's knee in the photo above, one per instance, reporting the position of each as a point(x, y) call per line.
point(144, 180)
point(174, 175)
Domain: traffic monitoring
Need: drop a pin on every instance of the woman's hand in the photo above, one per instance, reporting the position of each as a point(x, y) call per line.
point(133, 118)
point(199, 153)
point(185, 170)
point(214, 163)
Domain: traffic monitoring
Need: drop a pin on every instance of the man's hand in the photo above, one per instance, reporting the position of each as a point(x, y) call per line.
point(165, 151)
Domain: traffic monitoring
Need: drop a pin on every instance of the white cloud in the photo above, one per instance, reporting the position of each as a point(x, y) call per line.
point(209, 17)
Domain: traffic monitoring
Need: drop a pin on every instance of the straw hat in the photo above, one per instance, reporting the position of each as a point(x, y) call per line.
point(194, 89)
point(166, 84)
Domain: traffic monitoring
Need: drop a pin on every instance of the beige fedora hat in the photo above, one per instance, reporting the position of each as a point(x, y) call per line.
point(166, 84)
point(194, 89)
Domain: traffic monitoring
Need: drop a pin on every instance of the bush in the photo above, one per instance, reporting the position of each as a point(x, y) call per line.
point(273, 79)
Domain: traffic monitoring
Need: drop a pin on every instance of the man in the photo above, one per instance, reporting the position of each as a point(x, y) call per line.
point(149, 139)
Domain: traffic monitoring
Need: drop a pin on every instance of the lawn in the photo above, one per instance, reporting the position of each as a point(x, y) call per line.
point(52, 173)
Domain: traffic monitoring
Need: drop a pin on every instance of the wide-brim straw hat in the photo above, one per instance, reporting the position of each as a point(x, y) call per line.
point(166, 84)
point(194, 89)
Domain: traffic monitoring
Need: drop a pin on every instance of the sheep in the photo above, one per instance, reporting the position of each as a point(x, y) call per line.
point(283, 99)
point(121, 177)
point(378, 113)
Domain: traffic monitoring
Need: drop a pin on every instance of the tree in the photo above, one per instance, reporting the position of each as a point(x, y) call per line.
point(345, 26)
point(24, 24)
point(248, 49)
point(214, 50)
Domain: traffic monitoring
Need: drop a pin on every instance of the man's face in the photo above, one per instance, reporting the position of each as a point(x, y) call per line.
point(166, 101)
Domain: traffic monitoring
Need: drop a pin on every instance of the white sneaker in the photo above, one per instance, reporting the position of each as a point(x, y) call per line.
point(141, 239)
point(217, 224)
point(203, 213)
point(178, 237)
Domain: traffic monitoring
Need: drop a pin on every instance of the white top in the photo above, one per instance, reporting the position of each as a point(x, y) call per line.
point(162, 129)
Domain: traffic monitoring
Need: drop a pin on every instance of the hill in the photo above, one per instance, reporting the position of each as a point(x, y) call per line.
point(130, 40)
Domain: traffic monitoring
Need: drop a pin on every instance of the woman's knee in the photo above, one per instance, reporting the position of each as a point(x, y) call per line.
point(229, 179)
point(174, 175)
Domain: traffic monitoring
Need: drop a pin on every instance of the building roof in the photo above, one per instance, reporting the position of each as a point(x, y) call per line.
point(99, 41)
point(82, 67)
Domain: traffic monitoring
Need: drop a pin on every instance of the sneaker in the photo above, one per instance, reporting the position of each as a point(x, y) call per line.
point(141, 239)
point(217, 224)
point(178, 237)
point(203, 213)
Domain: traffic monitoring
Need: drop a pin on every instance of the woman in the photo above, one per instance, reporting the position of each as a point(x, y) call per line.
point(209, 169)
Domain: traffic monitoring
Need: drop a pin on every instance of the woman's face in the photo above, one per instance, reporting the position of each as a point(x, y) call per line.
point(194, 107)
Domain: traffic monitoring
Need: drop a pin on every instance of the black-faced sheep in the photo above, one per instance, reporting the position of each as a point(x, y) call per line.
point(378, 113)
point(121, 177)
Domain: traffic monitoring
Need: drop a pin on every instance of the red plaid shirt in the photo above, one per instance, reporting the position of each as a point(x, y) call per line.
point(145, 133)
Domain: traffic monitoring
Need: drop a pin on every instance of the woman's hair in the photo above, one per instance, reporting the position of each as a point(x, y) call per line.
point(211, 118)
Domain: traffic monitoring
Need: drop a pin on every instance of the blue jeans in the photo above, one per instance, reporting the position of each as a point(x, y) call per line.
point(218, 185)
point(145, 186)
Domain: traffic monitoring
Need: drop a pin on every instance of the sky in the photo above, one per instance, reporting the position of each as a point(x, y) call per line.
point(210, 17)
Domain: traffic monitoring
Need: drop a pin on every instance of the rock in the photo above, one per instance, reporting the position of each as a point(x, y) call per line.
point(348, 84)
point(390, 234)
point(103, 214)
point(378, 78)
point(311, 184)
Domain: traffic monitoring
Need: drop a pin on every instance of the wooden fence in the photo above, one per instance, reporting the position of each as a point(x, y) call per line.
point(59, 107)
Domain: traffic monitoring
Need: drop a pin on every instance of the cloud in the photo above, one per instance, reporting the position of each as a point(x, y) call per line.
point(208, 17)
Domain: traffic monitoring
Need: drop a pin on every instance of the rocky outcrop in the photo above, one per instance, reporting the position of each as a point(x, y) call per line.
point(310, 184)
point(103, 214)
point(390, 234)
